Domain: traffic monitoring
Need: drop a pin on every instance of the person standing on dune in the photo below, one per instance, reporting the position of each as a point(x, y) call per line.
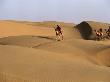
point(108, 32)
point(59, 34)
point(99, 34)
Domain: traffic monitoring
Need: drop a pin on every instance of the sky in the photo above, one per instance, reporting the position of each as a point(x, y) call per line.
point(74, 11)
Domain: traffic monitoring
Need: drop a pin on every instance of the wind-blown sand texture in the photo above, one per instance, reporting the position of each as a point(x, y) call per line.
point(30, 53)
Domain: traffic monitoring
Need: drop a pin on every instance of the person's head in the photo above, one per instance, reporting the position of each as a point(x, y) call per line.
point(57, 25)
point(105, 29)
point(100, 29)
point(94, 30)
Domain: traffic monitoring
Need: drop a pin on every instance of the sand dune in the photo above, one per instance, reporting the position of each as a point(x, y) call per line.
point(44, 65)
point(104, 57)
point(8, 28)
point(30, 53)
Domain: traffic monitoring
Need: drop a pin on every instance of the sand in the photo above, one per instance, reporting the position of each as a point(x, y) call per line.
point(30, 53)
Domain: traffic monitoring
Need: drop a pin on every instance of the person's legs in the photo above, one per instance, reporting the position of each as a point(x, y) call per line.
point(109, 35)
point(101, 35)
point(97, 36)
point(57, 35)
point(61, 35)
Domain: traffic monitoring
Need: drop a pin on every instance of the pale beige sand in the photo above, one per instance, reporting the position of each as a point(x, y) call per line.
point(8, 28)
point(27, 55)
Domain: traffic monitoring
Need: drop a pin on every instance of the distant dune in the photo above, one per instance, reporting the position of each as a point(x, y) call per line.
point(9, 28)
point(29, 52)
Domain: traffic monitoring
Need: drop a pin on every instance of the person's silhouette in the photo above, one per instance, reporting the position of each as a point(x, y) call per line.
point(59, 32)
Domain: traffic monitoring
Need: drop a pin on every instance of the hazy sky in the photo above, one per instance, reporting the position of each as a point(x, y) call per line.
point(55, 10)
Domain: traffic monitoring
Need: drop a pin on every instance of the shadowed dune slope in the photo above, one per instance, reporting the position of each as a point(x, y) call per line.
point(86, 28)
point(26, 40)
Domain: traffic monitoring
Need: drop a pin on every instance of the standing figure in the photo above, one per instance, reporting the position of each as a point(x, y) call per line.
point(108, 32)
point(59, 34)
point(99, 34)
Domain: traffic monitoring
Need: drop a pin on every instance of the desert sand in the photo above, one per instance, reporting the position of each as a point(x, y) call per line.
point(29, 52)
